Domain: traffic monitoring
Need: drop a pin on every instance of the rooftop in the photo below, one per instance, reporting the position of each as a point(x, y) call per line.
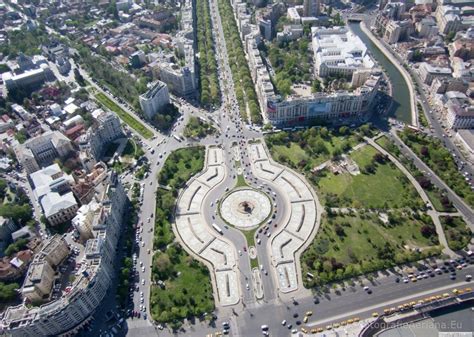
point(340, 47)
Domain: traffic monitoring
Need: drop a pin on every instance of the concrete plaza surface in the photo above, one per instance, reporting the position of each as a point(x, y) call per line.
point(232, 210)
point(200, 238)
point(301, 220)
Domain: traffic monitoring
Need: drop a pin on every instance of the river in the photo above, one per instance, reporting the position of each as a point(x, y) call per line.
point(400, 93)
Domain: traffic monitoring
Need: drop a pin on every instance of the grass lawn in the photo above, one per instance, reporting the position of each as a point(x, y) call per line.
point(181, 165)
point(187, 291)
point(311, 152)
point(241, 181)
point(196, 128)
point(349, 245)
point(457, 232)
point(386, 188)
point(440, 202)
point(125, 116)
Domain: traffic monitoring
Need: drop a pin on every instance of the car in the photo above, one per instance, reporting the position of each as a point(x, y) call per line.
point(283, 322)
point(141, 294)
point(247, 286)
point(143, 282)
point(468, 277)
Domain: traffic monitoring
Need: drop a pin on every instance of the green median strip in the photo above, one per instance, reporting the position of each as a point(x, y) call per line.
point(125, 116)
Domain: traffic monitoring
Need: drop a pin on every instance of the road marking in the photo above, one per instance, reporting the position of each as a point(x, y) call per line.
point(389, 303)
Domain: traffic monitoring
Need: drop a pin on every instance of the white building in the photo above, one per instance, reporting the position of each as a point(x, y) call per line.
point(74, 308)
point(427, 27)
point(180, 80)
point(51, 188)
point(293, 15)
point(429, 72)
point(29, 79)
point(448, 19)
point(460, 110)
point(154, 99)
point(339, 52)
point(99, 136)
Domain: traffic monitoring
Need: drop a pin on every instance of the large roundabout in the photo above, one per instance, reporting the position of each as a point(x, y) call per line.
point(245, 208)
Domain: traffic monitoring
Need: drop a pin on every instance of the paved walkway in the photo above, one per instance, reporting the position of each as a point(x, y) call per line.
point(200, 238)
point(303, 213)
point(432, 213)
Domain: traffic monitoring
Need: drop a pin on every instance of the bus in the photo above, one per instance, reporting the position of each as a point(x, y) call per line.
point(177, 138)
point(217, 228)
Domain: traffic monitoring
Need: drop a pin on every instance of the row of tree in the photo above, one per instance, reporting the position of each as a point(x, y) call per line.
point(207, 61)
point(243, 84)
point(119, 82)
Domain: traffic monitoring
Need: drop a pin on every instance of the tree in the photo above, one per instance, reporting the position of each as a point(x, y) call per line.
point(320, 147)
point(19, 213)
point(424, 151)
point(369, 168)
point(427, 231)
point(79, 78)
point(21, 136)
point(8, 291)
point(379, 158)
point(343, 130)
point(336, 152)
point(163, 265)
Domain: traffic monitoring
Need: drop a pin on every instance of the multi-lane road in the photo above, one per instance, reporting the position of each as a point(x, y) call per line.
point(273, 309)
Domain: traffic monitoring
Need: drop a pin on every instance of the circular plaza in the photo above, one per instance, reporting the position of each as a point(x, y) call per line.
point(245, 208)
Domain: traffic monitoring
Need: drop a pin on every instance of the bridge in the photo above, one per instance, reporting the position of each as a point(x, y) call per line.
point(355, 17)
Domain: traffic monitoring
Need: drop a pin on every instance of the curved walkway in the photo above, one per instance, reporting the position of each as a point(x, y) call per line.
point(199, 238)
point(432, 213)
point(301, 222)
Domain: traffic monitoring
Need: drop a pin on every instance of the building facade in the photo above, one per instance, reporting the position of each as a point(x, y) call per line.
point(66, 314)
point(154, 99)
point(339, 52)
point(43, 150)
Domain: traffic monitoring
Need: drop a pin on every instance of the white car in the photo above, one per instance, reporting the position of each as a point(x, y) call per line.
point(143, 282)
point(283, 322)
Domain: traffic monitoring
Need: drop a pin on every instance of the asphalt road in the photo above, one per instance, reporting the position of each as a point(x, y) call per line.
point(351, 303)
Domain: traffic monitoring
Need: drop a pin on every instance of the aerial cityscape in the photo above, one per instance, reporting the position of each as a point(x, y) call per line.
point(236, 168)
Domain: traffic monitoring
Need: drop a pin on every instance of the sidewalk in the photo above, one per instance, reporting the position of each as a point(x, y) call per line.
point(432, 213)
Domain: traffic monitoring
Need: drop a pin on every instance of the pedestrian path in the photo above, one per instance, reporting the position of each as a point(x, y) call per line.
point(301, 220)
point(200, 238)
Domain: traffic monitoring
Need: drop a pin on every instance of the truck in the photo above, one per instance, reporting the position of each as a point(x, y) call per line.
point(217, 228)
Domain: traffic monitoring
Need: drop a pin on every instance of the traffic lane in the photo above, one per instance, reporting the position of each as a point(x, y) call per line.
point(353, 299)
point(236, 238)
point(388, 289)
